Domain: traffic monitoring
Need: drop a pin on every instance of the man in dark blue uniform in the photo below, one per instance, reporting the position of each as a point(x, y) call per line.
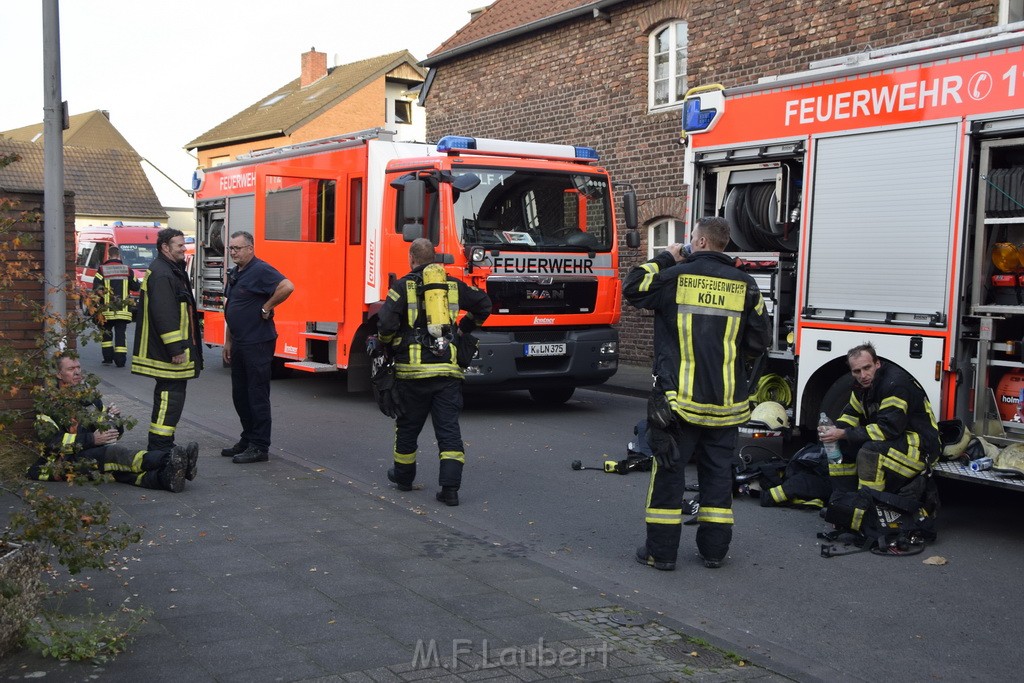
point(254, 289)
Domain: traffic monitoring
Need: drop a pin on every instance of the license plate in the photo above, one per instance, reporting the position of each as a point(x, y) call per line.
point(555, 349)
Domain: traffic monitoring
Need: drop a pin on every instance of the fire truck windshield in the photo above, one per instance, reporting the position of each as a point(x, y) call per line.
point(138, 256)
point(529, 210)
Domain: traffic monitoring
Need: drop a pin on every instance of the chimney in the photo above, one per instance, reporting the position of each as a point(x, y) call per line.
point(314, 67)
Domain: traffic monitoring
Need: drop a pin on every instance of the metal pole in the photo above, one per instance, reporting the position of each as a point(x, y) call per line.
point(53, 174)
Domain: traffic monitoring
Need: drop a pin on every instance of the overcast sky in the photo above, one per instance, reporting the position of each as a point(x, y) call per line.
point(169, 70)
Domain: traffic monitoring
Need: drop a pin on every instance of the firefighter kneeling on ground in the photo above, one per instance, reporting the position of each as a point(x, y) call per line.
point(417, 326)
point(113, 285)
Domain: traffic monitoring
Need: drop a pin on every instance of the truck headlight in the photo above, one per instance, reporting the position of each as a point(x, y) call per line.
point(609, 348)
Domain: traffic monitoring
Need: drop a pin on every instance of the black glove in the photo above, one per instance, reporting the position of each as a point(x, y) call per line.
point(663, 447)
point(375, 348)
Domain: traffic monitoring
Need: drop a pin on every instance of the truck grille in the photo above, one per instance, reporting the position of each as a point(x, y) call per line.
point(542, 296)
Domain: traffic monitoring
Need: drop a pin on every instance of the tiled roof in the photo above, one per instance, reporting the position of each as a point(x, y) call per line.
point(291, 106)
point(106, 182)
point(512, 17)
point(91, 129)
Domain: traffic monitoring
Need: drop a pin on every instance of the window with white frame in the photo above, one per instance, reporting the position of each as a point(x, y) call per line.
point(667, 64)
point(1011, 11)
point(660, 234)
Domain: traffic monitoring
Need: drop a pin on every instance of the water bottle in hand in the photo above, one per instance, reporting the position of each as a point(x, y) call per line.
point(831, 449)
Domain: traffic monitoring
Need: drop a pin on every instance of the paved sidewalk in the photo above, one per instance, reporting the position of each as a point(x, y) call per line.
point(283, 573)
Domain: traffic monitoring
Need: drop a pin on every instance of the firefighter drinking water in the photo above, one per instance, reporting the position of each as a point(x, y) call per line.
point(709, 318)
point(417, 326)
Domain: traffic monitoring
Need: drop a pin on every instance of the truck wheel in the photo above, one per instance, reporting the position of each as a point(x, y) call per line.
point(552, 396)
point(836, 397)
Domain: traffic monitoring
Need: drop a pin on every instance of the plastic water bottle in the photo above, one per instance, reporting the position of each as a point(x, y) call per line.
point(832, 451)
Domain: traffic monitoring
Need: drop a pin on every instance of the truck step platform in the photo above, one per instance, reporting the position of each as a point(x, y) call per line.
point(953, 470)
point(310, 366)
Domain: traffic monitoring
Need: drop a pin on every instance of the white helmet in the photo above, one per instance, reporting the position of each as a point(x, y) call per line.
point(771, 414)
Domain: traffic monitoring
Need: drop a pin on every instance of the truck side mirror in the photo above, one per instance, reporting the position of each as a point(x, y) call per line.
point(412, 200)
point(629, 209)
point(633, 239)
point(412, 231)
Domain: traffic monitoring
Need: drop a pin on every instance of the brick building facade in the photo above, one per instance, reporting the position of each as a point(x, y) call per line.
point(583, 79)
point(18, 329)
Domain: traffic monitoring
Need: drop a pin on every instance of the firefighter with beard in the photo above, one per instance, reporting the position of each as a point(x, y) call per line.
point(709, 319)
point(417, 326)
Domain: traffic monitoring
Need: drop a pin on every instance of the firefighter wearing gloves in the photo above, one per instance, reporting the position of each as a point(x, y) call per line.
point(167, 336)
point(709, 319)
point(887, 432)
point(113, 284)
point(417, 326)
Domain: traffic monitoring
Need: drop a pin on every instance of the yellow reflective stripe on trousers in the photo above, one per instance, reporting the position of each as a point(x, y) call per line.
point(842, 469)
point(405, 458)
point(714, 515)
point(663, 516)
point(778, 495)
point(453, 455)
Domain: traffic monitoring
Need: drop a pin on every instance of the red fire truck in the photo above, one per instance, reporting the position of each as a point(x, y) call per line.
point(882, 200)
point(532, 224)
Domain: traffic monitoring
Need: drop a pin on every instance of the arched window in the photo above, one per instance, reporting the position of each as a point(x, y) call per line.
point(667, 65)
point(660, 234)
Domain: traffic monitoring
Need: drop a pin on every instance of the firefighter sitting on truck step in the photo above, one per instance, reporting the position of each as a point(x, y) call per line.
point(887, 432)
point(417, 326)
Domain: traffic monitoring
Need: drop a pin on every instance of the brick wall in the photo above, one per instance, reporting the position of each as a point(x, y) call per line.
point(17, 328)
point(585, 82)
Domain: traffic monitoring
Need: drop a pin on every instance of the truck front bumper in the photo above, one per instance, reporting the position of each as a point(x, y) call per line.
point(507, 358)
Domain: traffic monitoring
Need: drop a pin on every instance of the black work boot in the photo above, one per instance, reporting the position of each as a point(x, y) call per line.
point(251, 454)
point(644, 557)
point(177, 467)
point(449, 495)
point(234, 450)
point(393, 478)
point(192, 458)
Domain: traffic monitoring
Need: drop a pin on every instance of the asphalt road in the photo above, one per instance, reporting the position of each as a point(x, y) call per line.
point(860, 617)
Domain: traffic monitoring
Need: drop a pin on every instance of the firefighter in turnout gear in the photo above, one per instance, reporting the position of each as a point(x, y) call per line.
point(81, 434)
point(887, 432)
point(167, 336)
point(113, 285)
point(417, 326)
point(709, 320)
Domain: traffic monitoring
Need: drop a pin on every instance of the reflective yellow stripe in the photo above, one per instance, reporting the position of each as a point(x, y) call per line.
point(856, 519)
point(893, 402)
point(714, 515)
point(778, 495)
point(732, 327)
point(650, 270)
point(453, 455)
point(405, 458)
point(875, 432)
point(851, 420)
point(855, 404)
point(663, 516)
point(842, 469)
point(813, 502)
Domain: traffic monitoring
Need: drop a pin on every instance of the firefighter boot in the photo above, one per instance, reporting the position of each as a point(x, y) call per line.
point(192, 457)
point(173, 474)
point(645, 557)
point(402, 475)
point(449, 477)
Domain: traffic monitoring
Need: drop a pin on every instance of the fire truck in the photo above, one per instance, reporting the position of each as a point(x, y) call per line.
point(532, 224)
point(881, 200)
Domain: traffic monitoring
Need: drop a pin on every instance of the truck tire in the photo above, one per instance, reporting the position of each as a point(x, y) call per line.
point(836, 397)
point(552, 396)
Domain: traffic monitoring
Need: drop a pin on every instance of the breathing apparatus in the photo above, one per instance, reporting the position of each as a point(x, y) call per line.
point(440, 331)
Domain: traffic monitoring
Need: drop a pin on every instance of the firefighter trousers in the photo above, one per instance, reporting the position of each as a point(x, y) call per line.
point(877, 465)
point(168, 402)
point(440, 398)
point(250, 390)
point(113, 344)
point(714, 449)
point(148, 469)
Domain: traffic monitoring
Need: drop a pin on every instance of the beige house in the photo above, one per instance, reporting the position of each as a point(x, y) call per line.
point(321, 102)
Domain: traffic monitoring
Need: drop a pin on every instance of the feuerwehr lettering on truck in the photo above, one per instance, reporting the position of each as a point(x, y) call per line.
point(551, 264)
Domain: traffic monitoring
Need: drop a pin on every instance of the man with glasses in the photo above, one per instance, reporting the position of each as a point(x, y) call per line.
point(167, 343)
point(255, 288)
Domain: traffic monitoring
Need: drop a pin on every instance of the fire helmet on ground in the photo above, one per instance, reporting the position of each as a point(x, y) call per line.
point(954, 436)
point(772, 414)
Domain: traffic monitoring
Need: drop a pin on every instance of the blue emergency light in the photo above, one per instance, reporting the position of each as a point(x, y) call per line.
point(454, 143)
point(702, 108)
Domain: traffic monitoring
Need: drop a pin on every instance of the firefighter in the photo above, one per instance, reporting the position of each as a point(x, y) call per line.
point(420, 331)
point(78, 430)
point(887, 432)
point(112, 286)
point(167, 336)
point(709, 319)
